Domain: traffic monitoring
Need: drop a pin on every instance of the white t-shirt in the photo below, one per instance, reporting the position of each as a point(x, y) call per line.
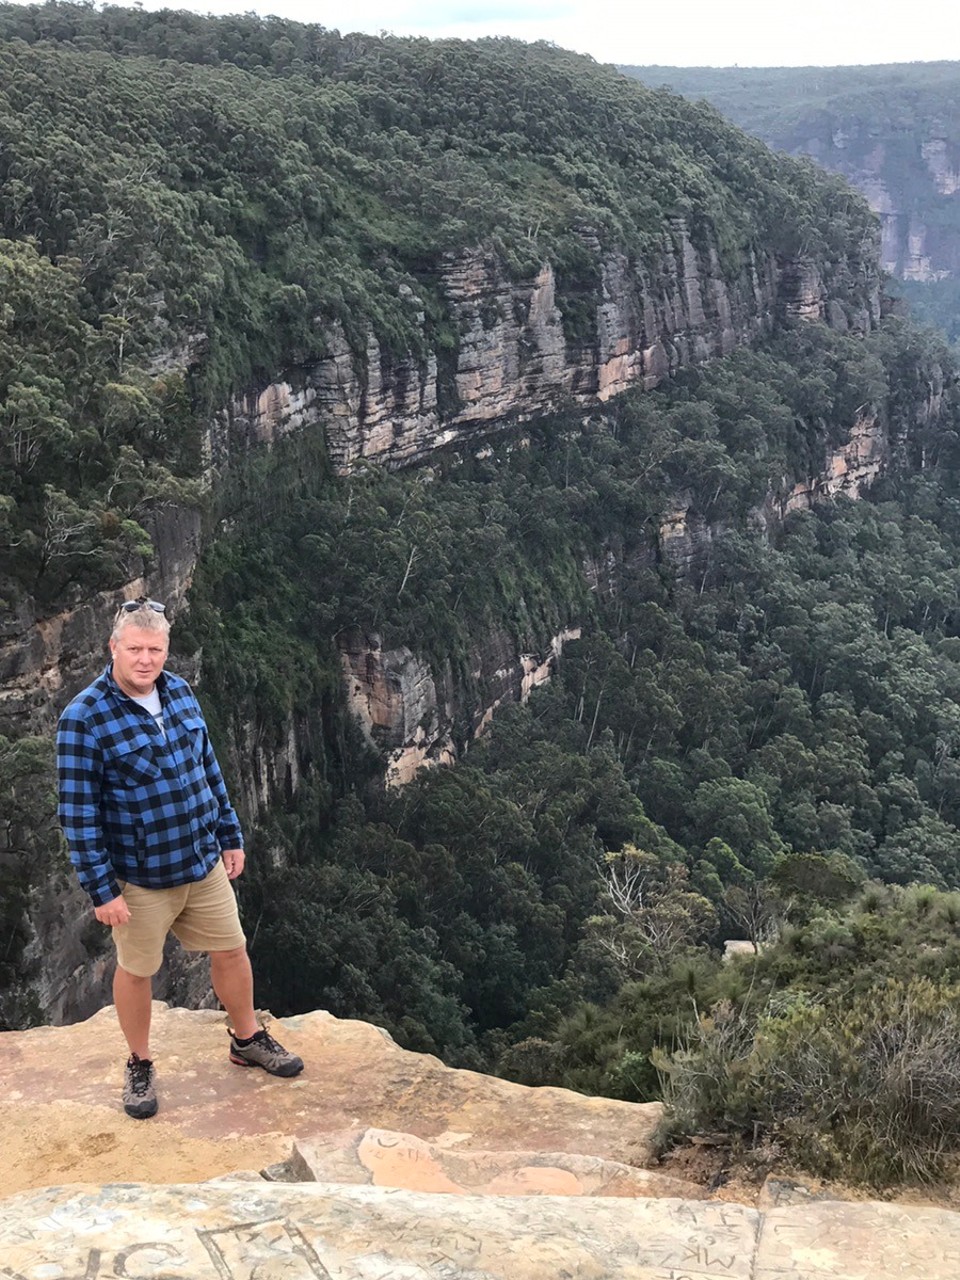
point(151, 703)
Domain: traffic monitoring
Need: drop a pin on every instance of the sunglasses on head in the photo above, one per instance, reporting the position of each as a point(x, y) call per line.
point(131, 606)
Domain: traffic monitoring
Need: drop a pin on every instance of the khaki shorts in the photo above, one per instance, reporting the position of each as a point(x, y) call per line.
point(202, 914)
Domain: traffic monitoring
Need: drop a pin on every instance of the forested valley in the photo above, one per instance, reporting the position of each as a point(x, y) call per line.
point(759, 740)
point(892, 130)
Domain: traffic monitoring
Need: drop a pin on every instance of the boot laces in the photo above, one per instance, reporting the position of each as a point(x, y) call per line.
point(140, 1070)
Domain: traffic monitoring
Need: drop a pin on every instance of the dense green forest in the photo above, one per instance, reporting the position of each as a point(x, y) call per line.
point(243, 184)
point(762, 743)
point(736, 752)
point(893, 128)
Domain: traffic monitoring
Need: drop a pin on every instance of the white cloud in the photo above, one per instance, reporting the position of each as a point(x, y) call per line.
point(696, 33)
point(701, 32)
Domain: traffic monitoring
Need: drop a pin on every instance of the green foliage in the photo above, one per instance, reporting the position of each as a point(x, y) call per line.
point(864, 1089)
point(192, 205)
point(88, 447)
point(27, 800)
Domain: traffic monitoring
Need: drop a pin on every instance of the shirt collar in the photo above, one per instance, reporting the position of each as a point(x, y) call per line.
point(117, 692)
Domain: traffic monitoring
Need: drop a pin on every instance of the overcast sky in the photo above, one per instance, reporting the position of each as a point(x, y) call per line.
point(715, 33)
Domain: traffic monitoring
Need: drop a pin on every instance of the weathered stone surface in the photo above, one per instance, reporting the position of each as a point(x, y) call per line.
point(407, 712)
point(250, 1231)
point(319, 1231)
point(913, 245)
point(385, 1158)
point(421, 1172)
point(62, 1118)
point(849, 471)
point(394, 696)
point(685, 538)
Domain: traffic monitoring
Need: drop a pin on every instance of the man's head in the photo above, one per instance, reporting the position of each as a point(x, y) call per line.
point(139, 644)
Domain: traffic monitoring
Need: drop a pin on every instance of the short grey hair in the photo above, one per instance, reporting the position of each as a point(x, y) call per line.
point(145, 618)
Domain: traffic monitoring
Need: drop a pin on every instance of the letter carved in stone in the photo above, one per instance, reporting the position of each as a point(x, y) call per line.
point(275, 1249)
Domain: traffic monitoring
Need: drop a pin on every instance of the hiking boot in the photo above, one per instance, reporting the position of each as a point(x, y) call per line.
point(261, 1050)
point(139, 1094)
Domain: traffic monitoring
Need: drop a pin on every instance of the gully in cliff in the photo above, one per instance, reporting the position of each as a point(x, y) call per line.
point(156, 842)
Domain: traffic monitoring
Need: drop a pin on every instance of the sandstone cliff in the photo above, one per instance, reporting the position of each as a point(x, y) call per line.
point(416, 717)
point(914, 244)
point(891, 131)
point(515, 360)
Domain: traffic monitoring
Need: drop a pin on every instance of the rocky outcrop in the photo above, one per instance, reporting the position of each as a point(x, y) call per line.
point(891, 131)
point(516, 358)
point(850, 470)
point(378, 1163)
point(415, 717)
point(912, 246)
point(515, 361)
point(64, 1122)
point(394, 696)
point(685, 537)
point(239, 1229)
point(915, 243)
point(411, 714)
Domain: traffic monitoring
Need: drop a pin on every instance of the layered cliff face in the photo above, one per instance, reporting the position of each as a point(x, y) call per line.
point(915, 244)
point(416, 717)
point(515, 360)
point(514, 363)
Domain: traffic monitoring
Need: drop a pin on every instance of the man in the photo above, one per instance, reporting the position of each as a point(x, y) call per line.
point(156, 842)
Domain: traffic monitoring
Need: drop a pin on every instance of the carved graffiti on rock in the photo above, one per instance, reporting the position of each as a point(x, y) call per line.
point(272, 1250)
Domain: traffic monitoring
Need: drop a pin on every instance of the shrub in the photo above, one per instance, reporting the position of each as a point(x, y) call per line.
point(865, 1089)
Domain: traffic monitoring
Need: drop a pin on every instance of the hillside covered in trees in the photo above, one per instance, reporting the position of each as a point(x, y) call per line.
point(893, 131)
point(759, 740)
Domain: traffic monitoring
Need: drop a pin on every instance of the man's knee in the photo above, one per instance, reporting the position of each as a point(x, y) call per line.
point(232, 956)
point(123, 974)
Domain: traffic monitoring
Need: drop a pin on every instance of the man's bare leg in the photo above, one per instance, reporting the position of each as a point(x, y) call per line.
point(132, 996)
point(232, 980)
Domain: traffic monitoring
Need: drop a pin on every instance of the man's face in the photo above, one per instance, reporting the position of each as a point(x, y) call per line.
point(138, 658)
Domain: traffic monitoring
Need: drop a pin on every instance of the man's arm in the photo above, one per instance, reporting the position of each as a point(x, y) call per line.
point(80, 774)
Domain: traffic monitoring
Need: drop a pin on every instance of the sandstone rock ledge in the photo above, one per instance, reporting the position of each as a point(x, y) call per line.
point(378, 1164)
point(259, 1231)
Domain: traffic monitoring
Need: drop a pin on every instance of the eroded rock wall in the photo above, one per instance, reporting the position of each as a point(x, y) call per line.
point(516, 360)
point(418, 718)
point(915, 243)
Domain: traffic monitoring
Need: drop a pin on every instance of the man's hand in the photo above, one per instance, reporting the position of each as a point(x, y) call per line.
point(112, 913)
point(233, 861)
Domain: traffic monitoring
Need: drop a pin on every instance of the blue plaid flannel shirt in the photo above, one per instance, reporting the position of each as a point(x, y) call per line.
point(136, 806)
